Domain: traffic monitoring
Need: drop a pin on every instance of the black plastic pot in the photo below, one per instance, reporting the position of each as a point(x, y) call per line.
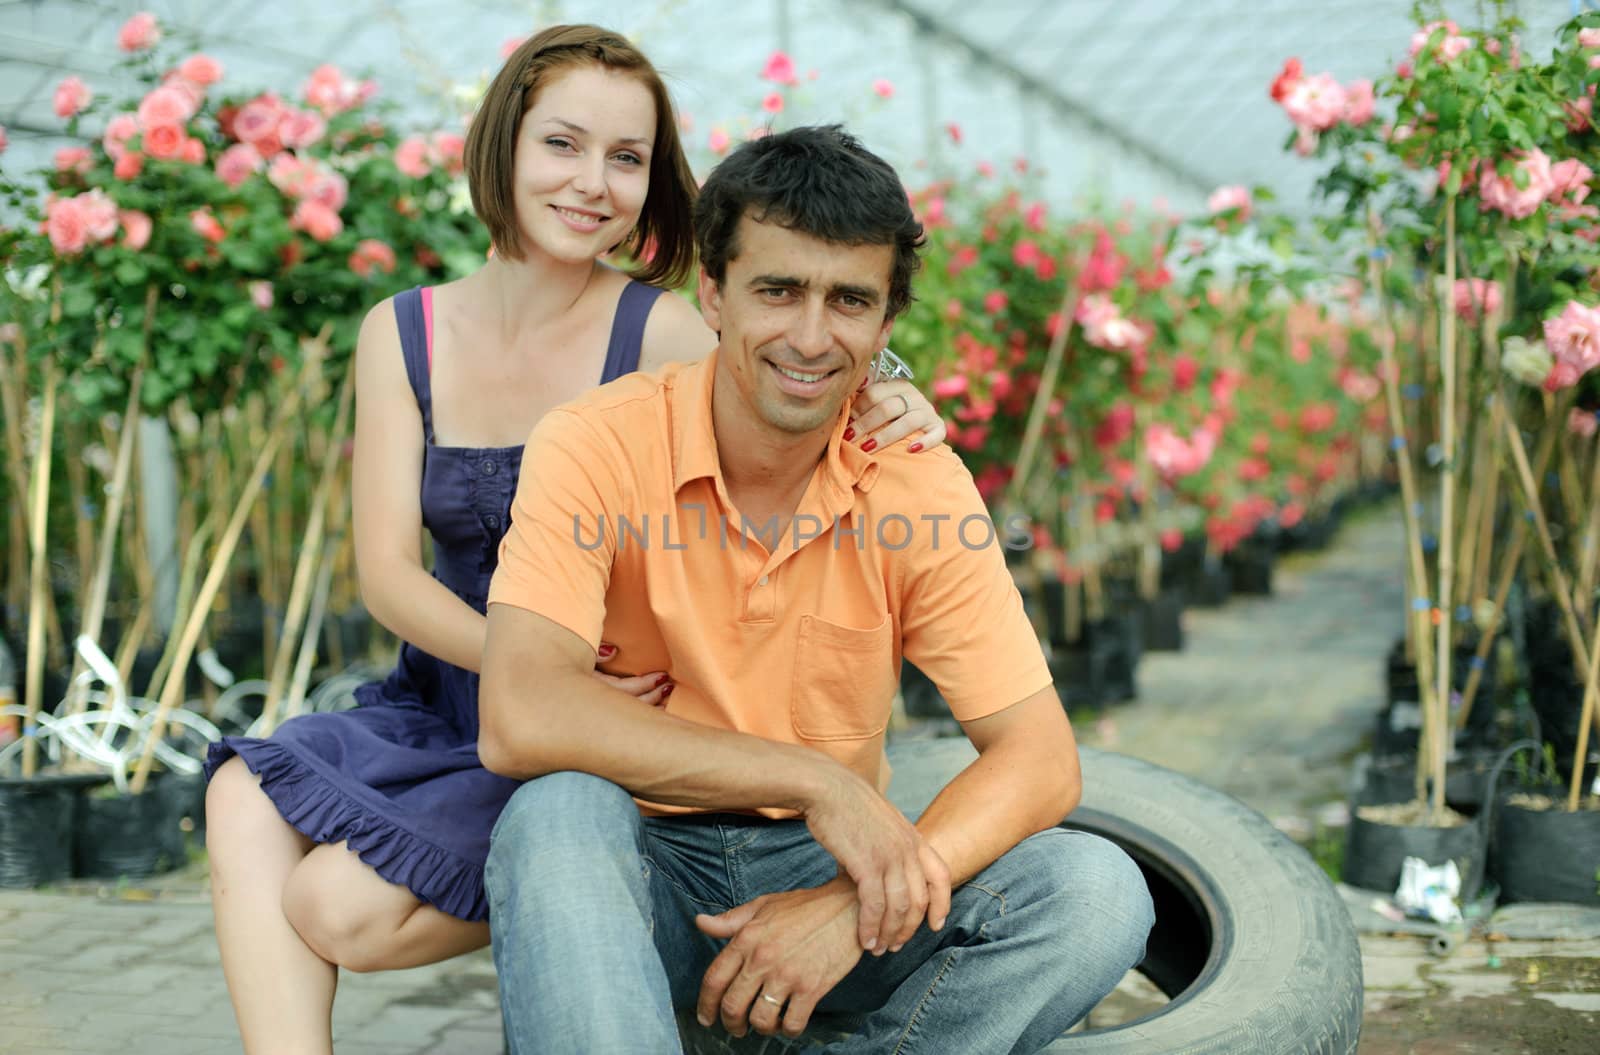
point(37, 819)
point(1547, 855)
point(1393, 779)
point(1162, 623)
point(1375, 852)
point(1210, 584)
point(1249, 567)
point(132, 836)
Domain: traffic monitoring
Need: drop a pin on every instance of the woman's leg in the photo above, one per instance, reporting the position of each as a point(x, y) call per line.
point(282, 991)
point(357, 919)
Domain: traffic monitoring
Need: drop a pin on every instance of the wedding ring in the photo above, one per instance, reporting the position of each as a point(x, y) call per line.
point(774, 1001)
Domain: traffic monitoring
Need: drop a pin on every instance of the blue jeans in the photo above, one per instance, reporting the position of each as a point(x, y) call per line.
point(592, 910)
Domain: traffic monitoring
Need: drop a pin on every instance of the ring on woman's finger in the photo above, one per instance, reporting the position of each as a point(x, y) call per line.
point(905, 404)
point(774, 1001)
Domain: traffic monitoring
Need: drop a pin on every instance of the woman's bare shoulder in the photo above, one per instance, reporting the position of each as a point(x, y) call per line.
point(674, 333)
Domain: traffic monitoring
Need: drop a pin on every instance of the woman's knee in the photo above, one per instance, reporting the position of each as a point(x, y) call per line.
point(237, 810)
point(342, 929)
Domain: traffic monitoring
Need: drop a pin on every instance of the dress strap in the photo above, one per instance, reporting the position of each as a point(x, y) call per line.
point(627, 329)
point(416, 344)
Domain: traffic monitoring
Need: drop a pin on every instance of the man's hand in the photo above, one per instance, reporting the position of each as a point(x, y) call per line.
point(899, 878)
point(786, 952)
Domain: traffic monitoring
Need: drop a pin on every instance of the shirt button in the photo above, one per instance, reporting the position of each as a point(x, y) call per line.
point(489, 468)
point(763, 581)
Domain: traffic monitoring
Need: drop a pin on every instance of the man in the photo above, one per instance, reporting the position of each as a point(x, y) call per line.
point(733, 851)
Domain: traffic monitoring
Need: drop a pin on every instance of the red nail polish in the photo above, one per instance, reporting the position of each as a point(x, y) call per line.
point(867, 446)
point(849, 434)
point(667, 691)
point(662, 680)
point(915, 447)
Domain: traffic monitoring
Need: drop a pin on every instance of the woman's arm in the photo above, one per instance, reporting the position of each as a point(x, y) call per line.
point(387, 499)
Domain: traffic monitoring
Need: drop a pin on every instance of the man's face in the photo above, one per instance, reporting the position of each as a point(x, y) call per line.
point(800, 320)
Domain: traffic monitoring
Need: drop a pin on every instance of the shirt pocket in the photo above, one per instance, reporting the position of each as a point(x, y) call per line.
point(843, 680)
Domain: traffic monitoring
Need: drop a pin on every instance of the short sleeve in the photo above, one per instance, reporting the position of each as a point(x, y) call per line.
point(962, 621)
point(555, 559)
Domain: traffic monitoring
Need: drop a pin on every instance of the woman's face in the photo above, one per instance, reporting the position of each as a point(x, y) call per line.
point(583, 162)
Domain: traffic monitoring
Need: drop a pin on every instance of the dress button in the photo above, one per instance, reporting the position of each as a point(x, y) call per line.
point(763, 581)
point(492, 520)
point(489, 468)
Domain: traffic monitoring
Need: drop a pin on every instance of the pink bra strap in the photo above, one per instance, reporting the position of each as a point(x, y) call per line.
point(427, 321)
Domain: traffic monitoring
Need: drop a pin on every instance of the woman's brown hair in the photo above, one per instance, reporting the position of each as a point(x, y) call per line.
point(663, 240)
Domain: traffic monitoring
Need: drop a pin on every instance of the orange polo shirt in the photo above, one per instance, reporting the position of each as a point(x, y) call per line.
point(622, 530)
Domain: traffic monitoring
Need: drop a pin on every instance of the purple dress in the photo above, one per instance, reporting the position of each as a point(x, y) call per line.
point(398, 776)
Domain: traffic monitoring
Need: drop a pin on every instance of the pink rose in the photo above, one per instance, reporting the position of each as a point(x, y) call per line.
point(1580, 113)
point(119, 130)
point(1573, 338)
point(953, 130)
point(258, 119)
point(1589, 38)
point(139, 33)
point(165, 105)
point(64, 224)
point(202, 70)
point(773, 103)
point(72, 95)
point(317, 220)
point(261, 294)
point(1569, 182)
point(73, 159)
point(1230, 197)
point(194, 93)
point(128, 166)
point(1502, 193)
point(301, 128)
point(950, 387)
point(1582, 423)
point(1033, 217)
point(207, 225)
point(99, 215)
point(995, 301)
point(779, 69)
point(4, 142)
point(1359, 103)
point(411, 157)
point(1315, 103)
point(328, 187)
point(136, 228)
point(371, 254)
point(883, 89)
point(290, 175)
point(717, 142)
point(332, 92)
point(238, 162)
point(1024, 254)
point(193, 152)
point(164, 142)
point(1104, 325)
point(449, 150)
point(1449, 47)
point(1475, 294)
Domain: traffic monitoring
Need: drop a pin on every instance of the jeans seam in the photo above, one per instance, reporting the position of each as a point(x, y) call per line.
point(916, 1012)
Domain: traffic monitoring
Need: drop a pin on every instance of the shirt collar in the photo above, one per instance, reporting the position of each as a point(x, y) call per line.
point(845, 466)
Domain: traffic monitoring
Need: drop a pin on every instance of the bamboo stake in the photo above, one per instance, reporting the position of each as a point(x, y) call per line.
point(1558, 579)
point(1443, 651)
point(188, 574)
point(308, 644)
point(1591, 534)
point(1508, 569)
point(11, 403)
point(1582, 751)
point(310, 547)
point(100, 580)
point(38, 584)
point(78, 493)
point(173, 687)
point(1410, 499)
point(1041, 399)
point(260, 544)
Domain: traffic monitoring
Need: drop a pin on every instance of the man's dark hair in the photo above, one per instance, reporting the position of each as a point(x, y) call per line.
point(818, 180)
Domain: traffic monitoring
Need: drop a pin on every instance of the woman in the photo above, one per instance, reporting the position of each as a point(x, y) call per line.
point(358, 838)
